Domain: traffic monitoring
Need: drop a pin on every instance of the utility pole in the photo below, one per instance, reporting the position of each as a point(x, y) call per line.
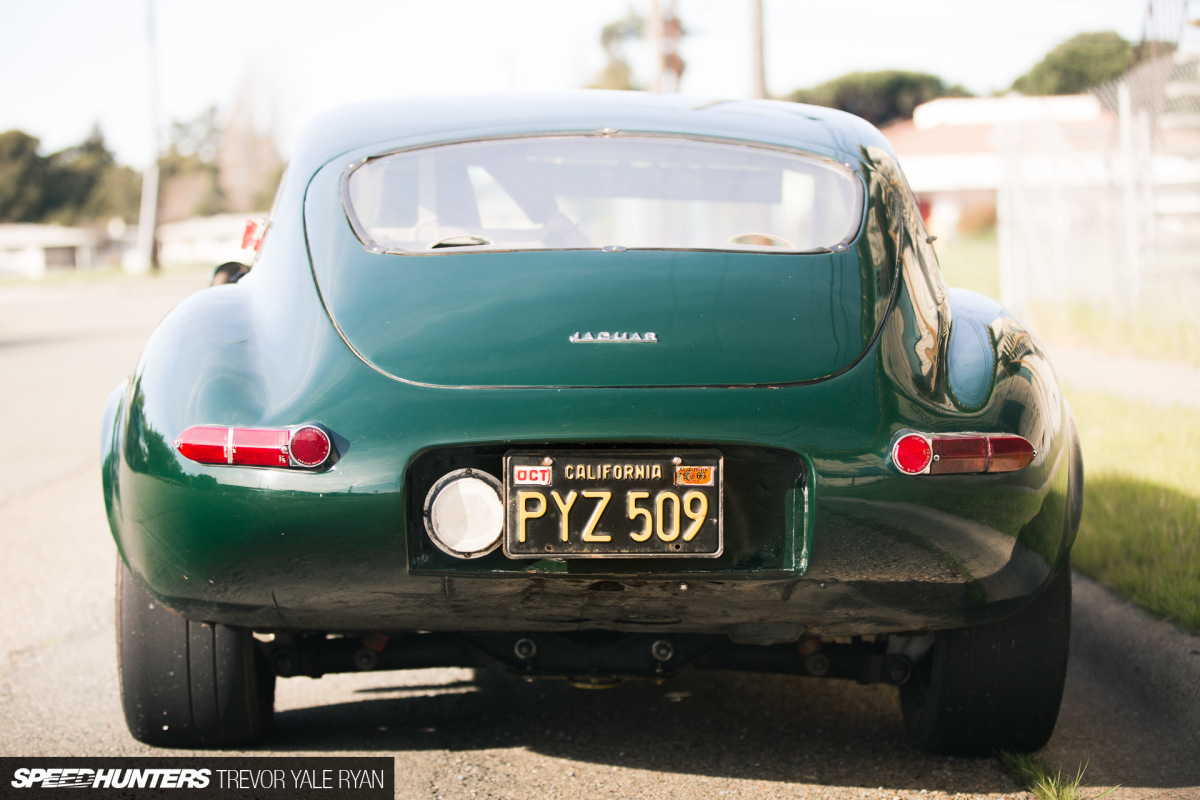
point(671, 60)
point(757, 62)
point(146, 256)
point(656, 41)
point(665, 32)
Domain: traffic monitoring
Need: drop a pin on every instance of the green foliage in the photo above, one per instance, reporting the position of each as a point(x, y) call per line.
point(617, 74)
point(84, 184)
point(1164, 332)
point(199, 136)
point(971, 262)
point(72, 177)
point(79, 184)
point(1151, 49)
point(1142, 490)
point(1142, 503)
point(878, 97)
point(188, 171)
point(22, 173)
point(1139, 539)
point(1078, 64)
point(189, 186)
point(118, 193)
point(614, 35)
point(1035, 775)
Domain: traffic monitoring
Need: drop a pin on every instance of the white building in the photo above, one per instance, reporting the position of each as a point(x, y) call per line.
point(29, 251)
point(954, 150)
point(207, 241)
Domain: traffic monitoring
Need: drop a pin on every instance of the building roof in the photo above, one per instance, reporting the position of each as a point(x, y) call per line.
point(26, 234)
point(961, 143)
point(956, 125)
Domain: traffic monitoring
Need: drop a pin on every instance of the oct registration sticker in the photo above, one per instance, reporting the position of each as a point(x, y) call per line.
point(599, 504)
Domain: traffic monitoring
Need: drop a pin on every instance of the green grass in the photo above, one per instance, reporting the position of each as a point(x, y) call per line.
point(1140, 533)
point(971, 262)
point(1162, 333)
point(1036, 777)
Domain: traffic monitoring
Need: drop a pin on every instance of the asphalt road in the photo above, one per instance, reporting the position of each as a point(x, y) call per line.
point(1131, 714)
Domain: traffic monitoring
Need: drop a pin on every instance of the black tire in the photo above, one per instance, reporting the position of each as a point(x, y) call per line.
point(229, 272)
point(996, 686)
point(186, 683)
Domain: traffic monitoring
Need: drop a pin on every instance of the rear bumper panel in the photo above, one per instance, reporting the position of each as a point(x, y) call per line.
point(769, 523)
point(822, 535)
point(877, 567)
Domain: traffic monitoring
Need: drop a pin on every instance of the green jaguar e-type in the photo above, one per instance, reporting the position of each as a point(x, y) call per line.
point(599, 386)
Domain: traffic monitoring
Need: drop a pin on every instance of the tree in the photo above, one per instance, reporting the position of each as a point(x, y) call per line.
point(879, 97)
point(79, 184)
point(22, 174)
point(72, 176)
point(84, 184)
point(118, 193)
point(248, 165)
point(211, 168)
point(1078, 64)
point(188, 170)
point(617, 74)
point(1151, 49)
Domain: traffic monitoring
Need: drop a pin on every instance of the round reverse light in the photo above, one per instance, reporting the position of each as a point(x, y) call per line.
point(464, 513)
point(912, 454)
point(309, 446)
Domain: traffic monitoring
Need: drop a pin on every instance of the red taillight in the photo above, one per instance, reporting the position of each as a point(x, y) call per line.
point(255, 447)
point(206, 445)
point(1010, 453)
point(912, 454)
point(957, 454)
point(307, 446)
point(954, 455)
point(310, 446)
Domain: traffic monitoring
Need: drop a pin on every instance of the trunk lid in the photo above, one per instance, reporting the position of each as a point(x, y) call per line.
point(511, 319)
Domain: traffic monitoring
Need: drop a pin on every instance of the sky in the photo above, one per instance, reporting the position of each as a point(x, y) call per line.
point(72, 64)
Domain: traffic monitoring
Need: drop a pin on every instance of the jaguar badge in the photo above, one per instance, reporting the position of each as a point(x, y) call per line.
point(622, 337)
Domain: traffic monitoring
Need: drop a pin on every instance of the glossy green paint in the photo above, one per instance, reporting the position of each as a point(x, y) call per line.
point(858, 548)
point(455, 319)
point(355, 132)
point(449, 319)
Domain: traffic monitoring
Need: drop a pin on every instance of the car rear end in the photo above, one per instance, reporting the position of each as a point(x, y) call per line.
point(599, 404)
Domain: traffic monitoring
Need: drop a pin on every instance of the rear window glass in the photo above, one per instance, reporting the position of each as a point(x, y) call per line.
point(584, 192)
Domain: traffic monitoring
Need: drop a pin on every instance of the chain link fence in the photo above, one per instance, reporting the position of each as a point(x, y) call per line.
point(1105, 214)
